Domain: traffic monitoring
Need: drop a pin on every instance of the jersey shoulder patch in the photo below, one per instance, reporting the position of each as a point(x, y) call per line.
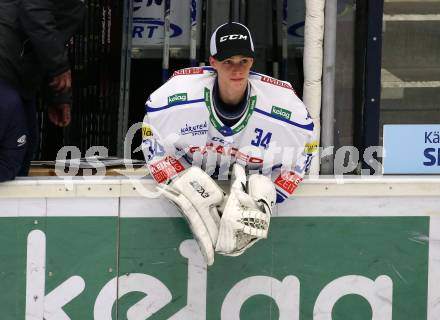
point(270, 81)
point(185, 86)
point(277, 100)
point(193, 71)
point(187, 72)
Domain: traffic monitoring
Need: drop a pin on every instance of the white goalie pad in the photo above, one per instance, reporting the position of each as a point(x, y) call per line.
point(197, 195)
point(246, 217)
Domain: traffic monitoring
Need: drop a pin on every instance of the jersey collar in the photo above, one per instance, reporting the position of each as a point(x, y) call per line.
point(240, 125)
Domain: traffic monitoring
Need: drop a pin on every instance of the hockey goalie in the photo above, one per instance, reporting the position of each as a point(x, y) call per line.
point(225, 122)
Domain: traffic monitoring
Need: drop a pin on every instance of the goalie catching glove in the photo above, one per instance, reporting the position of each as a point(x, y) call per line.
point(246, 216)
point(197, 196)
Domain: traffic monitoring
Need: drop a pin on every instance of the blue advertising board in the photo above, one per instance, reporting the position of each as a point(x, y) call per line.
point(411, 149)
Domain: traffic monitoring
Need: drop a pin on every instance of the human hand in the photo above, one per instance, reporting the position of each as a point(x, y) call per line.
point(59, 115)
point(62, 82)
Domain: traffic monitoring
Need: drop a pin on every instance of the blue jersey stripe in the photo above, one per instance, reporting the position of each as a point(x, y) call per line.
point(150, 109)
point(308, 127)
point(282, 195)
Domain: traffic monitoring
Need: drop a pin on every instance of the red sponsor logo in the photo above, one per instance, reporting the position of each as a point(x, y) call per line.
point(288, 181)
point(188, 71)
point(226, 151)
point(165, 169)
point(276, 82)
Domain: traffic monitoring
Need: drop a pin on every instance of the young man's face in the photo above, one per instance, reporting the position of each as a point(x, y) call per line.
point(233, 71)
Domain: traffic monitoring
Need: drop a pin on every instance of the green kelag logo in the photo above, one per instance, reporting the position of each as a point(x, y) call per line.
point(351, 270)
point(280, 112)
point(178, 97)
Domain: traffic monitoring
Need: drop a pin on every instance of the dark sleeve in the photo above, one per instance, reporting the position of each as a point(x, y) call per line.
point(11, 158)
point(37, 18)
point(13, 144)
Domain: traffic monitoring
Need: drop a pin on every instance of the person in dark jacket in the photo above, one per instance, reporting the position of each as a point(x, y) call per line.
point(33, 56)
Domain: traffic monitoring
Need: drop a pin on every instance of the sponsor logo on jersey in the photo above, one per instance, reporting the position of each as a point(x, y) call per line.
point(288, 181)
point(178, 97)
point(21, 141)
point(220, 140)
point(233, 37)
point(276, 82)
point(280, 112)
point(195, 130)
point(165, 169)
point(147, 133)
point(188, 71)
point(232, 152)
point(311, 147)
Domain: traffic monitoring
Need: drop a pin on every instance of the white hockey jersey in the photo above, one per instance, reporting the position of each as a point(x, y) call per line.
point(274, 136)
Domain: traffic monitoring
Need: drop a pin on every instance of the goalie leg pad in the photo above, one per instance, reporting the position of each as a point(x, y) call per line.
point(204, 193)
point(197, 195)
point(195, 223)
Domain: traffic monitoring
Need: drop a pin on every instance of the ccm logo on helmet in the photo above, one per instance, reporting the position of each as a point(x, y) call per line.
point(233, 37)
